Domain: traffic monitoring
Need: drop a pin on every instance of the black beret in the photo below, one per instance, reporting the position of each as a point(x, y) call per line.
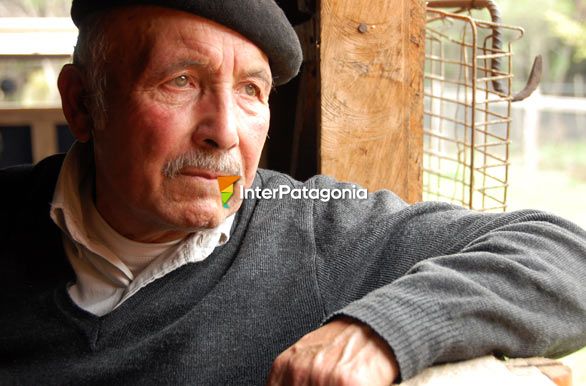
point(261, 21)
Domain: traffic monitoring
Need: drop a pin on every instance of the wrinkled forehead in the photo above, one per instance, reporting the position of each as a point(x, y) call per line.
point(139, 35)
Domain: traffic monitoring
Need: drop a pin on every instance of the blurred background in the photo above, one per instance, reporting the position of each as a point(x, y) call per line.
point(548, 150)
point(547, 158)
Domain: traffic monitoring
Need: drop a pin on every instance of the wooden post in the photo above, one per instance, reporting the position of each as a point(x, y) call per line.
point(371, 56)
point(43, 139)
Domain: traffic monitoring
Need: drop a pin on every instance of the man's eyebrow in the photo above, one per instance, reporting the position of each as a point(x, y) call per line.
point(261, 75)
point(181, 65)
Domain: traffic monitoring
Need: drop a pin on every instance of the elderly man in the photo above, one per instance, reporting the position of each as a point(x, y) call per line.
point(121, 265)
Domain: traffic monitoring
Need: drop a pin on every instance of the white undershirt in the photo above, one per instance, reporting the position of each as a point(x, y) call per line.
point(109, 267)
point(137, 256)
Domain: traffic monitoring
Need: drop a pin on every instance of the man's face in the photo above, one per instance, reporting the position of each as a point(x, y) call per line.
point(178, 84)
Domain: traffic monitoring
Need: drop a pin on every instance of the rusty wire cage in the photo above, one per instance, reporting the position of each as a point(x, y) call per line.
point(467, 105)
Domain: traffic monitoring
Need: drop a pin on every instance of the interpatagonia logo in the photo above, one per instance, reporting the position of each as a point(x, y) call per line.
point(227, 188)
point(351, 192)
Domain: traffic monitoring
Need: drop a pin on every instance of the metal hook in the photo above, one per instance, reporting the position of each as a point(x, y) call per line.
point(533, 81)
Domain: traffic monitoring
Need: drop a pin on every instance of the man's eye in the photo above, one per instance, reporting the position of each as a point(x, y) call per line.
point(181, 81)
point(251, 90)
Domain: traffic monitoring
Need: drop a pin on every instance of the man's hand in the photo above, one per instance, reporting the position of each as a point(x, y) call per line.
point(343, 352)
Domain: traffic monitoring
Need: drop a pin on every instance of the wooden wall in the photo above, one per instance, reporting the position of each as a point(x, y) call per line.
point(371, 108)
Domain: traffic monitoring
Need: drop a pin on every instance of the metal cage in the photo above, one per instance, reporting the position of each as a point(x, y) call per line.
point(467, 105)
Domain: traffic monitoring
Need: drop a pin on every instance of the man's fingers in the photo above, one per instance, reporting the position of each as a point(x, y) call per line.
point(280, 373)
point(295, 366)
point(344, 352)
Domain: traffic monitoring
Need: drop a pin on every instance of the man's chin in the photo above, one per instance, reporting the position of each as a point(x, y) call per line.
point(207, 216)
point(201, 208)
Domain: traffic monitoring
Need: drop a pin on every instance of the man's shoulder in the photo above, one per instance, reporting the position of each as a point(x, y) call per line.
point(265, 178)
point(21, 178)
point(272, 178)
point(31, 250)
point(325, 195)
point(28, 187)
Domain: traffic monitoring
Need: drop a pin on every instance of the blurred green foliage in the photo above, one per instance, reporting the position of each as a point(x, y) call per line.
point(555, 29)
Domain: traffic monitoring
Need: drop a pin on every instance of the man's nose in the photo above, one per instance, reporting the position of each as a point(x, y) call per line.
point(217, 124)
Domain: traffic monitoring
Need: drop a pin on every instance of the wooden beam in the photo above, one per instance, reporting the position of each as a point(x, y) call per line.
point(371, 67)
point(20, 115)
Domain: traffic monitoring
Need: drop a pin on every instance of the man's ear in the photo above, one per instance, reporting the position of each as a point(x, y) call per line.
point(73, 92)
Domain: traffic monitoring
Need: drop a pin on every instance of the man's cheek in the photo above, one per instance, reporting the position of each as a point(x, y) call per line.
point(158, 129)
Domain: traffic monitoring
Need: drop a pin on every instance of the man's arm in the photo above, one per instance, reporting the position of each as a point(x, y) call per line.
point(441, 284)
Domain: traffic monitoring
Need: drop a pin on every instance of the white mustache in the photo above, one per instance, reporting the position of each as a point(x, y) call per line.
point(218, 162)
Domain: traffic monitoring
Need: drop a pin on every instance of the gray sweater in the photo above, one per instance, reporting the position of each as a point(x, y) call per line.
point(438, 283)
